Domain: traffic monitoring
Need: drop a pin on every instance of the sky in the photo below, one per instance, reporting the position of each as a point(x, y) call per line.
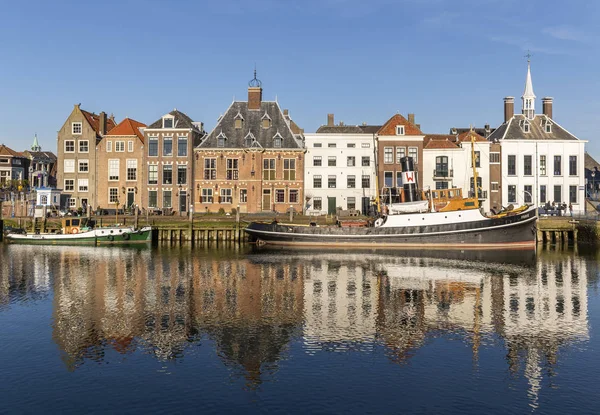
point(450, 62)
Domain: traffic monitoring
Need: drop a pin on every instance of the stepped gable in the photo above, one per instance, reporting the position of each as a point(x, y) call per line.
point(128, 127)
point(252, 127)
point(389, 128)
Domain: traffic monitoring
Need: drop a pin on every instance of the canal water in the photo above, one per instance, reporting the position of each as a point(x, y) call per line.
point(244, 330)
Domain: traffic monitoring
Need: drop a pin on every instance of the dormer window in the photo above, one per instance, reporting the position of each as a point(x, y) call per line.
point(167, 122)
point(548, 127)
point(221, 140)
point(399, 130)
point(266, 121)
point(277, 140)
point(526, 126)
point(249, 139)
point(239, 121)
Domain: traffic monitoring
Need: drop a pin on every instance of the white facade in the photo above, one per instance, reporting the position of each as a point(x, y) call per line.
point(339, 171)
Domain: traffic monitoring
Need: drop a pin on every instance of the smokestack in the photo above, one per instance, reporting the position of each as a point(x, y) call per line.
point(509, 108)
point(330, 120)
point(547, 106)
point(411, 118)
point(102, 123)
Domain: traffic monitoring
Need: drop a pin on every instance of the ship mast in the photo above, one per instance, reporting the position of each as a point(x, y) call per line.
point(473, 164)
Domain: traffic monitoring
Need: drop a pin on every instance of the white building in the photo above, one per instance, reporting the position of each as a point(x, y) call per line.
point(447, 164)
point(340, 168)
point(541, 161)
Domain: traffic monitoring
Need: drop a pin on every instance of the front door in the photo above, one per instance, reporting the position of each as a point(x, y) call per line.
point(130, 197)
point(266, 200)
point(331, 208)
point(182, 201)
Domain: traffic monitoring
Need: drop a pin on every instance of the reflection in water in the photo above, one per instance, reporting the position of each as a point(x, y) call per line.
point(253, 305)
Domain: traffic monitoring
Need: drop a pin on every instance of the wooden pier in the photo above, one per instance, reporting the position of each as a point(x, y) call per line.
point(178, 235)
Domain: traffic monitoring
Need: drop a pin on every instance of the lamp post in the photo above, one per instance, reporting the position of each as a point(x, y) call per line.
point(593, 186)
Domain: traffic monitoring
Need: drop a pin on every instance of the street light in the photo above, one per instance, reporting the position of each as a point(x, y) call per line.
point(593, 187)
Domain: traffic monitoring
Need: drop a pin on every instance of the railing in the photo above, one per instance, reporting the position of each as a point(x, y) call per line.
point(483, 194)
point(443, 174)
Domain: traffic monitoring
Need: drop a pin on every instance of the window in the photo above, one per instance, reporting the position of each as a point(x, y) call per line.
point(494, 158)
point(167, 146)
point(168, 122)
point(120, 146)
point(69, 146)
point(351, 203)
point(69, 166)
point(351, 182)
point(238, 123)
point(400, 152)
point(477, 159)
point(113, 169)
point(548, 127)
point(527, 160)
point(72, 202)
point(331, 181)
point(542, 165)
point(414, 153)
point(331, 161)
point(317, 203)
point(331, 145)
point(181, 174)
point(572, 165)
point(84, 146)
point(527, 193)
point(82, 185)
point(249, 140)
point(152, 198)
point(526, 127)
point(441, 185)
point(512, 165)
point(207, 196)
point(109, 146)
point(131, 170)
point(84, 166)
point(226, 196)
point(557, 165)
point(243, 195)
point(351, 145)
point(365, 145)
point(279, 196)
point(69, 185)
point(152, 146)
point(293, 196)
point(232, 171)
point(388, 179)
point(398, 179)
point(76, 127)
point(558, 193)
point(317, 145)
point(572, 194)
point(351, 161)
point(388, 155)
point(269, 169)
point(317, 162)
point(113, 195)
point(494, 186)
point(543, 193)
point(152, 174)
point(441, 166)
point(289, 169)
point(366, 181)
point(317, 181)
point(210, 169)
point(266, 123)
point(399, 130)
point(167, 199)
point(365, 161)
point(277, 142)
point(130, 146)
point(44, 200)
point(167, 174)
point(512, 193)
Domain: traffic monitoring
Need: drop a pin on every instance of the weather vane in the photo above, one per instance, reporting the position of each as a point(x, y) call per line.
point(255, 82)
point(528, 56)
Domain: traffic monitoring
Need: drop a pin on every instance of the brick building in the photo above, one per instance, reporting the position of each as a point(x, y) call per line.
point(253, 158)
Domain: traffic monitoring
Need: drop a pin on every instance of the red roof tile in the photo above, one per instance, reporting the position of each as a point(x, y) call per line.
point(6, 151)
point(466, 136)
point(389, 128)
point(439, 141)
point(128, 127)
point(94, 120)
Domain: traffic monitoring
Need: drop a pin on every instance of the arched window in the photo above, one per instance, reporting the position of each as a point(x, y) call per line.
point(44, 200)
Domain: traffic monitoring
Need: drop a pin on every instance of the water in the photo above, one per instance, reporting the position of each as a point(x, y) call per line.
point(96, 330)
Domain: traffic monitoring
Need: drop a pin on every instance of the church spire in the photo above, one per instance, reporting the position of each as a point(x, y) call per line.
point(528, 97)
point(36, 145)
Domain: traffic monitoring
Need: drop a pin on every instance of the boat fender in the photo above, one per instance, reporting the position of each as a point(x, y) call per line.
point(378, 222)
point(74, 230)
point(111, 238)
point(126, 236)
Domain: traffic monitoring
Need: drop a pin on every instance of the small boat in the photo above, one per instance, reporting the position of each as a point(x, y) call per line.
point(80, 231)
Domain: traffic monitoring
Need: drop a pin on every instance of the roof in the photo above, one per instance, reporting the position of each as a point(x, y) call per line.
point(389, 128)
point(439, 141)
point(590, 163)
point(94, 121)
point(252, 128)
point(484, 132)
point(513, 130)
point(466, 136)
point(46, 156)
point(181, 120)
point(128, 127)
point(6, 151)
point(349, 129)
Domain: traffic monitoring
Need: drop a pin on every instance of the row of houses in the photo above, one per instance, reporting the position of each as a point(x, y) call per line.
point(258, 159)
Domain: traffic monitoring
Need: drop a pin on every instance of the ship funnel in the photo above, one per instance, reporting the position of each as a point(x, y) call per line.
point(409, 180)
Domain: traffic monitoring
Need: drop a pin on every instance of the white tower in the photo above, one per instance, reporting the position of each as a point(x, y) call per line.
point(528, 97)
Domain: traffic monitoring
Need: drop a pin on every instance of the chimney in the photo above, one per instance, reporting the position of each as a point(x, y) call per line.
point(102, 123)
point(254, 97)
point(418, 126)
point(547, 106)
point(411, 118)
point(330, 120)
point(509, 108)
point(286, 113)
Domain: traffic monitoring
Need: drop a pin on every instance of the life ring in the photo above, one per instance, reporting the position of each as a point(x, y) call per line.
point(378, 222)
point(75, 230)
point(111, 238)
point(126, 236)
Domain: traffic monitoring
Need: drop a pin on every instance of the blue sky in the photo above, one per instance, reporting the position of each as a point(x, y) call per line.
point(449, 61)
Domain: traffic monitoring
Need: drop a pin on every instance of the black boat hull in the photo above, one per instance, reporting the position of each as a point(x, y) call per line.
point(515, 231)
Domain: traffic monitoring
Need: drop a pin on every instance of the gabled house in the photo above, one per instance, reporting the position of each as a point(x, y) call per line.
point(13, 168)
point(42, 166)
point(169, 162)
point(120, 168)
point(76, 159)
point(252, 160)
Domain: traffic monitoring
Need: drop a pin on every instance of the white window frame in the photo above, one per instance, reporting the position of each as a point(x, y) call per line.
point(83, 185)
point(73, 130)
point(365, 145)
point(87, 145)
point(119, 146)
point(130, 146)
point(113, 200)
point(416, 157)
point(79, 162)
point(494, 153)
point(115, 164)
point(109, 146)
point(400, 130)
point(71, 166)
point(70, 188)
point(226, 193)
point(70, 141)
point(388, 151)
point(131, 164)
point(168, 118)
point(72, 202)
